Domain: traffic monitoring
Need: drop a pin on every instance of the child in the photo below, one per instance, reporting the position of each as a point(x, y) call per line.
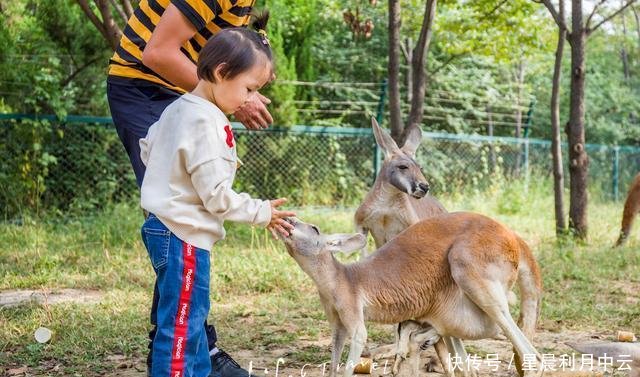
point(191, 161)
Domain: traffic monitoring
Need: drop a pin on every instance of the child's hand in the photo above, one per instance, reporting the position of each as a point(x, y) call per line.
point(277, 223)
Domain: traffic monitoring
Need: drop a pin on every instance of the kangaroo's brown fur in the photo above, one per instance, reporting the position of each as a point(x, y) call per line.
point(453, 272)
point(631, 209)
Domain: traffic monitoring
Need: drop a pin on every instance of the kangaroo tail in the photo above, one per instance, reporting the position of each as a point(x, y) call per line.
point(530, 284)
point(631, 207)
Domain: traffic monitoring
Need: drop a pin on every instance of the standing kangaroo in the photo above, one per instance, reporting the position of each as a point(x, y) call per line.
point(453, 272)
point(397, 201)
point(631, 209)
point(398, 197)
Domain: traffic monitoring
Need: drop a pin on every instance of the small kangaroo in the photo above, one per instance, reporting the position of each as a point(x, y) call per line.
point(453, 272)
point(631, 209)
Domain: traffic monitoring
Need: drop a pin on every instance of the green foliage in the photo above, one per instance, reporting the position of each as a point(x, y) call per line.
point(25, 166)
point(283, 109)
point(54, 61)
point(50, 168)
point(329, 168)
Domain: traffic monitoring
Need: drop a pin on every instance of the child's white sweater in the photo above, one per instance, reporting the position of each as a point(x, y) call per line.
point(191, 161)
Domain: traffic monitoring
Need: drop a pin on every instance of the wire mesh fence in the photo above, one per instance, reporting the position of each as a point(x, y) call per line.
point(79, 165)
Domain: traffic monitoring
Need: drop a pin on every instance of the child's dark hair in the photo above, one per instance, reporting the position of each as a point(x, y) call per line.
point(239, 48)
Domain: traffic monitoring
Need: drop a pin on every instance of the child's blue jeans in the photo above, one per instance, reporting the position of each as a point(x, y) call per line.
point(180, 347)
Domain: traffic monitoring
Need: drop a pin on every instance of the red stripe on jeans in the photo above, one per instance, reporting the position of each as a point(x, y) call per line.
point(182, 315)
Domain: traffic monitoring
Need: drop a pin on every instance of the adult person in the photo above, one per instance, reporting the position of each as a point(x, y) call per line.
point(154, 64)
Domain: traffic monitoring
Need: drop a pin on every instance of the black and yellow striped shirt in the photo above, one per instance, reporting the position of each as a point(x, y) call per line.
point(208, 17)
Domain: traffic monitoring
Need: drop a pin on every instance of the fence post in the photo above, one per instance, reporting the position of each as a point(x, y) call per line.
point(377, 156)
point(383, 94)
point(615, 177)
point(526, 165)
point(529, 121)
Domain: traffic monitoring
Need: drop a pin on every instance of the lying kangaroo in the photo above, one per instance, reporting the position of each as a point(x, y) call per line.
point(631, 209)
point(453, 272)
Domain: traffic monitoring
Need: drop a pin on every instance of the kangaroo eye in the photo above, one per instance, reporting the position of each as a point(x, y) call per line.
point(316, 229)
point(403, 167)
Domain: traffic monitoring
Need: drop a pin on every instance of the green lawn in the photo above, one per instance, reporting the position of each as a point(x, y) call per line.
point(261, 300)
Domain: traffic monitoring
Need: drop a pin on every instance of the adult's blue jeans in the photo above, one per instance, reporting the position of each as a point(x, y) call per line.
point(180, 346)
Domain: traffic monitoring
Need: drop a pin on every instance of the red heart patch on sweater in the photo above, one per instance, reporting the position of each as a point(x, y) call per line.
point(230, 138)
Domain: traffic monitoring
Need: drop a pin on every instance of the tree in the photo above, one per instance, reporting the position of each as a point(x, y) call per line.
point(556, 142)
point(102, 17)
point(578, 159)
point(418, 80)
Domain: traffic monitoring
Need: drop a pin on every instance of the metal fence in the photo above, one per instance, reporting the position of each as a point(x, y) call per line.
point(79, 164)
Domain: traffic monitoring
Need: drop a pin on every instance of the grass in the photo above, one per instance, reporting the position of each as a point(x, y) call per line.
point(261, 300)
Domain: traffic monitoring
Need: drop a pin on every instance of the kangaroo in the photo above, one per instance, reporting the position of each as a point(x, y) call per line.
point(631, 209)
point(398, 200)
point(452, 271)
point(398, 197)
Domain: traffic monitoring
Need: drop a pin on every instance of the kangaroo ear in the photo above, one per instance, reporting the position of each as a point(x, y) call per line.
point(345, 243)
point(383, 139)
point(414, 137)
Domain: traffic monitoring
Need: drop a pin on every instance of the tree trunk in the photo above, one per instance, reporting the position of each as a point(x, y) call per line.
point(105, 23)
point(518, 131)
point(418, 66)
point(556, 143)
point(637, 17)
point(578, 159)
point(394, 71)
point(623, 51)
point(407, 50)
point(492, 152)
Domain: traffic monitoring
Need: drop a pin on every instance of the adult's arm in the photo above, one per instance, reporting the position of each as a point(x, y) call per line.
point(162, 53)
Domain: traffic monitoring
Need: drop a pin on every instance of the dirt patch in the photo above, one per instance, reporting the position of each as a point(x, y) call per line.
point(306, 358)
point(48, 297)
point(546, 342)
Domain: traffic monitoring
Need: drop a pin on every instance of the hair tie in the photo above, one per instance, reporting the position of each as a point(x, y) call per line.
point(265, 40)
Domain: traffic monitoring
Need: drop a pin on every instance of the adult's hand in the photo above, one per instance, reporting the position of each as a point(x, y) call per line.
point(254, 114)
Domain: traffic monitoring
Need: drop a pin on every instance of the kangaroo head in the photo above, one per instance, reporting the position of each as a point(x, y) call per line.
point(306, 240)
point(399, 168)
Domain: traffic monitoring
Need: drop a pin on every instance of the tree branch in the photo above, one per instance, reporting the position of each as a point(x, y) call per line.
point(119, 10)
point(554, 13)
point(492, 11)
point(128, 9)
point(404, 48)
point(595, 8)
point(66, 81)
point(612, 15)
point(637, 17)
point(446, 62)
point(92, 16)
point(112, 31)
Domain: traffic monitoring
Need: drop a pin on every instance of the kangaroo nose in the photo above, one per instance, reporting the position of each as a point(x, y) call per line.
point(424, 187)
